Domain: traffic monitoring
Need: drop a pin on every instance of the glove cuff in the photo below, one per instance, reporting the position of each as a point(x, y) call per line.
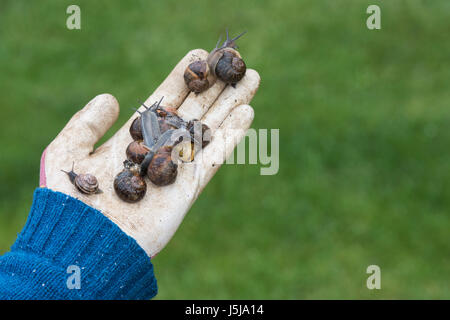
point(62, 232)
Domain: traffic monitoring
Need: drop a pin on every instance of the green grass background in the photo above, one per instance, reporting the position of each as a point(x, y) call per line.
point(364, 137)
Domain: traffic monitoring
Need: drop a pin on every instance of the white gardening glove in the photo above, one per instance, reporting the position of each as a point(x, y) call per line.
point(152, 221)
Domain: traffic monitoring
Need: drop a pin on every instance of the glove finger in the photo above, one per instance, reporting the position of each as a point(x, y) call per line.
point(87, 126)
point(225, 139)
point(173, 88)
point(192, 178)
point(232, 97)
point(196, 105)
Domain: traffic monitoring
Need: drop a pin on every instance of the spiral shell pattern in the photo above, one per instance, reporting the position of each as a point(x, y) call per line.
point(230, 68)
point(196, 76)
point(86, 183)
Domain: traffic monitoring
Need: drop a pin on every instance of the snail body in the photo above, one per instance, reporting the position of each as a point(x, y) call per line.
point(156, 121)
point(164, 125)
point(85, 183)
point(129, 185)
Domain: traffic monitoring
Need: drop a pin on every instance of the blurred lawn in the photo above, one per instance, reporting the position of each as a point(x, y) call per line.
point(364, 136)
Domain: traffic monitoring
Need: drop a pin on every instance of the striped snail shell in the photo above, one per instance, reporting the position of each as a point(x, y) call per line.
point(85, 183)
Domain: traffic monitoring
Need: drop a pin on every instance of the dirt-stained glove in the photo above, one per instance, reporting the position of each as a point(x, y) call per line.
point(152, 221)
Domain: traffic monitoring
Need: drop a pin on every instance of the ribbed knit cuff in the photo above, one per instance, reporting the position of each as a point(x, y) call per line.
point(62, 232)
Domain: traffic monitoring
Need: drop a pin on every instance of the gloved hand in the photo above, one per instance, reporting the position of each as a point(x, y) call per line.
point(152, 221)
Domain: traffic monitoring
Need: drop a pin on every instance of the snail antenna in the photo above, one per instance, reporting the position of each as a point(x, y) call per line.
point(234, 39)
point(230, 42)
point(225, 43)
point(136, 110)
point(159, 103)
point(71, 174)
point(143, 104)
point(153, 106)
point(218, 42)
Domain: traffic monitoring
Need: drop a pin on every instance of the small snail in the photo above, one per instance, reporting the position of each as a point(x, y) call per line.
point(197, 76)
point(226, 63)
point(136, 151)
point(85, 183)
point(162, 170)
point(128, 184)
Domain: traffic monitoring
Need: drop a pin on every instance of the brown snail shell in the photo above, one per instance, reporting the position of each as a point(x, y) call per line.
point(129, 185)
point(230, 68)
point(136, 129)
point(85, 183)
point(136, 151)
point(193, 125)
point(162, 170)
point(196, 76)
point(164, 125)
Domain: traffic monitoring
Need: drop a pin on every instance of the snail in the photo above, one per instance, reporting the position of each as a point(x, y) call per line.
point(136, 151)
point(190, 144)
point(162, 170)
point(85, 183)
point(226, 63)
point(197, 76)
point(156, 132)
point(128, 184)
point(136, 129)
point(158, 164)
point(193, 126)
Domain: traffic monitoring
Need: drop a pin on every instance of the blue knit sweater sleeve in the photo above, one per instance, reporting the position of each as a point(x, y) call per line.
point(69, 250)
